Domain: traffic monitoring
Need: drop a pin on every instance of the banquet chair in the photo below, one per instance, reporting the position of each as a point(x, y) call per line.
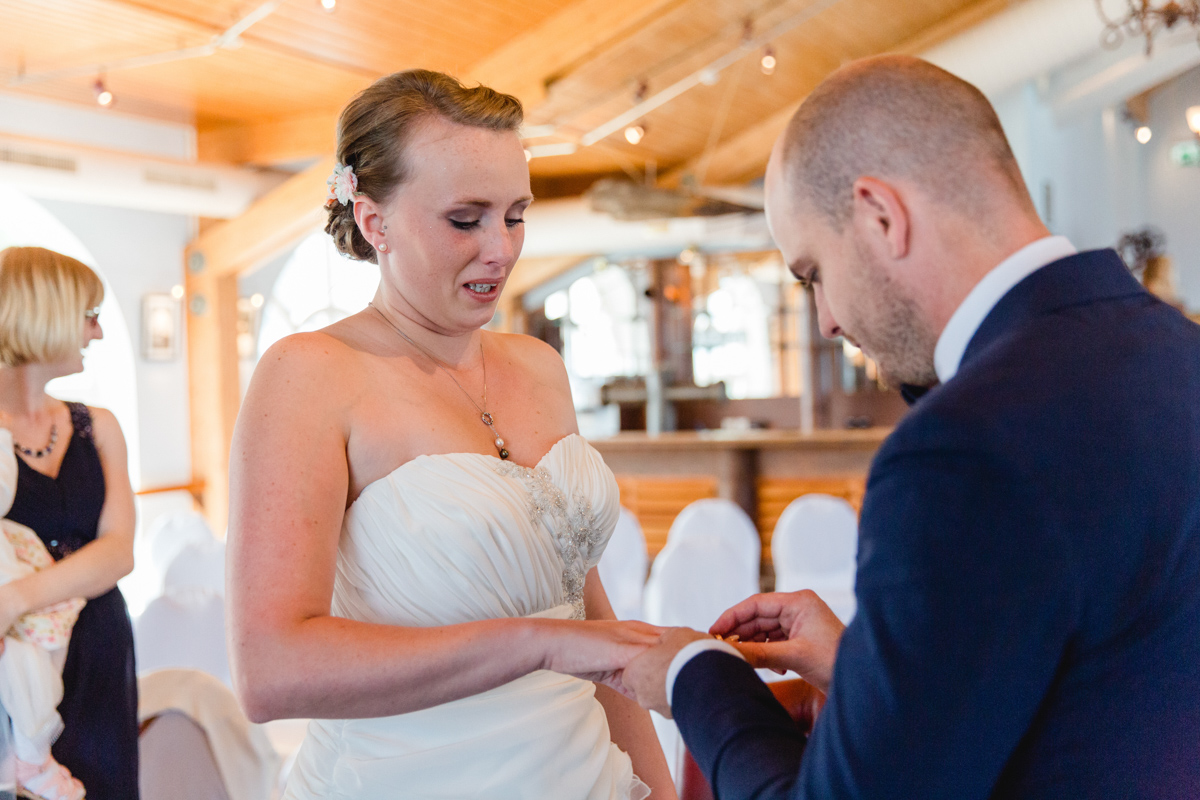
point(695, 578)
point(173, 533)
point(183, 629)
point(725, 519)
point(798, 697)
point(814, 546)
point(176, 762)
point(623, 567)
point(196, 744)
point(197, 564)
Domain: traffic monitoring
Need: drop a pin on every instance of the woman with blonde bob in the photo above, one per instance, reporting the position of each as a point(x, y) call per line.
point(73, 490)
point(415, 520)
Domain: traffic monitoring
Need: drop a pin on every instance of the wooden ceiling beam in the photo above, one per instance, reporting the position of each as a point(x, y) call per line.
point(274, 222)
point(530, 273)
point(275, 141)
point(743, 157)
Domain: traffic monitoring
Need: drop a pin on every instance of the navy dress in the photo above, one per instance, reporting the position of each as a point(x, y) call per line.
point(99, 706)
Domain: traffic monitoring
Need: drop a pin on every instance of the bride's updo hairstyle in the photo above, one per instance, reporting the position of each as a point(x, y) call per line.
point(375, 128)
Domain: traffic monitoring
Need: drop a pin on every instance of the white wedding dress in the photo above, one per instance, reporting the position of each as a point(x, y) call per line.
point(458, 537)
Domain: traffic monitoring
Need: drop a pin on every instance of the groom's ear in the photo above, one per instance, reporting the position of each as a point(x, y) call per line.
point(881, 218)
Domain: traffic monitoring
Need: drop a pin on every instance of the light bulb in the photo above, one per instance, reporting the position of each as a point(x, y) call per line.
point(768, 61)
point(528, 155)
point(1143, 134)
point(103, 96)
point(177, 292)
point(1193, 119)
point(328, 5)
point(256, 300)
point(634, 134)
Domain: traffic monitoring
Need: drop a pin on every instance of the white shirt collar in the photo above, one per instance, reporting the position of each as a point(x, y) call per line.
point(952, 344)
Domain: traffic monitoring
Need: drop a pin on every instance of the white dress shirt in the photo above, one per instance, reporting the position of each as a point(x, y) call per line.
point(987, 293)
point(951, 346)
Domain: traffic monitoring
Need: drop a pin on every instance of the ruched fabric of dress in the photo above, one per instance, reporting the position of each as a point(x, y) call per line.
point(453, 538)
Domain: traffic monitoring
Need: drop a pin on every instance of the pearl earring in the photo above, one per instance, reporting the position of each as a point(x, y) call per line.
point(383, 247)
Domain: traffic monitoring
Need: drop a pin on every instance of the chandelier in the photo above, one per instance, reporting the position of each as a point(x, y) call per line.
point(1145, 18)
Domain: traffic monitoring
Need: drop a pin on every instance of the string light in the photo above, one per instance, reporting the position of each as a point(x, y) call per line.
point(528, 155)
point(634, 134)
point(769, 61)
point(329, 5)
point(1143, 134)
point(103, 96)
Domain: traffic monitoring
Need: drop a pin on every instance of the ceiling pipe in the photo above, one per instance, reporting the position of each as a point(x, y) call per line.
point(225, 40)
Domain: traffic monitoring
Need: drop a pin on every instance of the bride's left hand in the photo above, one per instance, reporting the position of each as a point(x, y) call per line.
point(598, 650)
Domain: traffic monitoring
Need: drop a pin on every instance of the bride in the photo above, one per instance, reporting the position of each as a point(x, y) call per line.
point(415, 520)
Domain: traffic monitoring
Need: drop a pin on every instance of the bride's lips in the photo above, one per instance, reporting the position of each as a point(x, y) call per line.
point(484, 290)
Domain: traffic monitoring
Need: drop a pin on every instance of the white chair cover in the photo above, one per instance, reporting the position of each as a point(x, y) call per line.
point(623, 567)
point(246, 764)
point(695, 578)
point(184, 629)
point(814, 547)
point(173, 533)
point(197, 565)
point(726, 520)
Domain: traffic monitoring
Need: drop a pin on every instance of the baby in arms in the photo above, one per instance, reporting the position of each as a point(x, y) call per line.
point(35, 648)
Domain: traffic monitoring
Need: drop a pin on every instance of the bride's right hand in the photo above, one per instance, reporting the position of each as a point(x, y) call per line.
point(598, 650)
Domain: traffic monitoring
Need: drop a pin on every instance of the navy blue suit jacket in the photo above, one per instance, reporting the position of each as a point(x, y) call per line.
point(1028, 577)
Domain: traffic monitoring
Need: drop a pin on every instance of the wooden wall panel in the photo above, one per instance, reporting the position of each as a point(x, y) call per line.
point(656, 501)
point(774, 495)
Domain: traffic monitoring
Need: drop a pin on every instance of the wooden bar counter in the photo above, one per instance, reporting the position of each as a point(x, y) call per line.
point(760, 470)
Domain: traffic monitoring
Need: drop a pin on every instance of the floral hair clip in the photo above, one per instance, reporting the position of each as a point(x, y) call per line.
point(343, 185)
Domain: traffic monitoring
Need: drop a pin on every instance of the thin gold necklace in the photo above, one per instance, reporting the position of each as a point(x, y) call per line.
point(484, 416)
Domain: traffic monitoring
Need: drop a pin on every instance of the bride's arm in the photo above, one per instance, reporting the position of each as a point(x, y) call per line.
point(628, 722)
point(289, 657)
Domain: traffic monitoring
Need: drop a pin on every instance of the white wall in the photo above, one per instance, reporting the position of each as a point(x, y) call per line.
point(1175, 197)
point(141, 252)
point(1101, 182)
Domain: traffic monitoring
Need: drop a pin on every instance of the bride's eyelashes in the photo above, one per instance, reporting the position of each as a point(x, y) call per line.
point(466, 225)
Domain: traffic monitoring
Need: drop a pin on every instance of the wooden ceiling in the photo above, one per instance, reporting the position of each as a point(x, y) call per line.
point(272, 98)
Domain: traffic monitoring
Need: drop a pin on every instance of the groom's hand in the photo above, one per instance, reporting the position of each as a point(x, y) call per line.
point(646, 675)
point(786, 630)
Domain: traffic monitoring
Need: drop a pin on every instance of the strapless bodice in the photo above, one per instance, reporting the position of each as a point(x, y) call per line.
point(464, 536)
point(459, 537)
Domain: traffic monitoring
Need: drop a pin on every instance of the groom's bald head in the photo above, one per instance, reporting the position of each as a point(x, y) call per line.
point(898, 117)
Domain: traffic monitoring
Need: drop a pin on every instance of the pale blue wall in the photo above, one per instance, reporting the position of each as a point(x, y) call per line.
point(1102, 182)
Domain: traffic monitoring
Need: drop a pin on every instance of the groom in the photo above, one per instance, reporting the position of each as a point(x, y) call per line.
point(1028, 577)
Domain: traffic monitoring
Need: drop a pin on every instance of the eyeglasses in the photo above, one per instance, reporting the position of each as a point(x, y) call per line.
point(92, 314)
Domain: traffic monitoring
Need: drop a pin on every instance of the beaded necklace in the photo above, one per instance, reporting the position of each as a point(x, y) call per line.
point(45, 451)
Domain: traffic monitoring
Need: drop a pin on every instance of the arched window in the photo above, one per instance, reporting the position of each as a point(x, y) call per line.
point(317, 287)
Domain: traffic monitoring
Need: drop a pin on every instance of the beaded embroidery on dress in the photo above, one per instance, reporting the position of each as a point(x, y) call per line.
point(459, 537)
point(576, 530)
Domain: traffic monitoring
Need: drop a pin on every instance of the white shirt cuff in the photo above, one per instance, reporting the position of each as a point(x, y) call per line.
point(690, 651)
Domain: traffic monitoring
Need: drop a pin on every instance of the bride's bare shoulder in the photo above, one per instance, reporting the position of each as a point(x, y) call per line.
point(312, 367)
point(530, 354)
